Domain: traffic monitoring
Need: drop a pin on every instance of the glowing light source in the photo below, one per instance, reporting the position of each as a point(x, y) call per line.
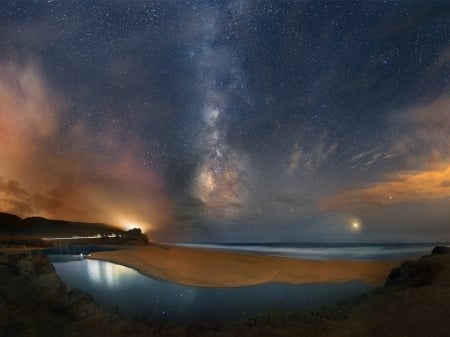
point(128, 226)
point(129, 221)
point(355, 225)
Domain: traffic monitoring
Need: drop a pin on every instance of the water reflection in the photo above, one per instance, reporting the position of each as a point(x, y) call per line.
point(132, 293)
point(107, 274)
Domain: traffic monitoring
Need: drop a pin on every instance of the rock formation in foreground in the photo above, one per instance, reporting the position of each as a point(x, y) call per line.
point(34, 302)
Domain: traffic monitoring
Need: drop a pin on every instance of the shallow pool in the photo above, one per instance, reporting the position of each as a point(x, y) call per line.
point(132, 293)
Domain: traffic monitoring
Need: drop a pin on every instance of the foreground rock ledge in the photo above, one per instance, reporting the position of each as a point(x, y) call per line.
point(415, 301)
point(35, 302)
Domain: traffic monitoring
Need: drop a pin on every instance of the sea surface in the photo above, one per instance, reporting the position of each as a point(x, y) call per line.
point(132, 293)
point(327, 251)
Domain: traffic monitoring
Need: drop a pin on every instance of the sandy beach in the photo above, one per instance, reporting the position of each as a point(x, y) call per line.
point(212, 268)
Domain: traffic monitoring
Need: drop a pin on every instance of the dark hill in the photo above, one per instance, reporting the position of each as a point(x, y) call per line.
point(12, 225)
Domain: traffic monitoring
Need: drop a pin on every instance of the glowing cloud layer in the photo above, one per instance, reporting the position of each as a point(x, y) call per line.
point(404, 187)
point(85, 175)
point(422, 141)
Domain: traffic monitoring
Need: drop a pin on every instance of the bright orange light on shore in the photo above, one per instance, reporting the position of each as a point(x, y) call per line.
point(129, 226)
point(128, 223)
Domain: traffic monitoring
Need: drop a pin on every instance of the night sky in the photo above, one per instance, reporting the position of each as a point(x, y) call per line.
point(229, 120)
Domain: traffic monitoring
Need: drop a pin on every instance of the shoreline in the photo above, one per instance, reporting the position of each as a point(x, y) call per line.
point(414, 301)
point(203, 267)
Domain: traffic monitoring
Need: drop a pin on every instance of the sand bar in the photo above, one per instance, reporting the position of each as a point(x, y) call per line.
point(212, 268)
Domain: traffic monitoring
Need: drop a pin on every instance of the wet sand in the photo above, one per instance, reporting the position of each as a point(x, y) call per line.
point(212, 268)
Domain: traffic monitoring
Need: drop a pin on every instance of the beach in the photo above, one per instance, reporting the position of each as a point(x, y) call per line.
point(413, 302)
point(213, 268)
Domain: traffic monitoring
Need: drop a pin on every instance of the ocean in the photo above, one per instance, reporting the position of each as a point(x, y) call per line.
point(327, 251)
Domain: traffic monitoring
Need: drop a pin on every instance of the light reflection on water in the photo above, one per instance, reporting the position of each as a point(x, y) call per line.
point(132, 293)
point(107, 274)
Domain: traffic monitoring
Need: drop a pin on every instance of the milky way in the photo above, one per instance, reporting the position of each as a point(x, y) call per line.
point(229, 120)
point(220, 177)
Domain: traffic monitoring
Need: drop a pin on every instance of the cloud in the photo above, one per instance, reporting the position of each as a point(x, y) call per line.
point(368, 158)
point(430, 184)
point(422, 131)
point(294, 160)
point(442, 60)
point(53, 169)
point(12, 188)
point(422, 140)
point(310, 161)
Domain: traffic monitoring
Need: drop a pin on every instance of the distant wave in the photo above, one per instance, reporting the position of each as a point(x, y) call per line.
point(327, 251)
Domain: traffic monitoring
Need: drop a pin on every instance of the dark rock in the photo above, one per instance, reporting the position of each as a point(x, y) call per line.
point(134, 237)
point(25, 266)
point(3, 301)
point(27, 275)
point(440, 250)
point(76, 296)
point(14, 258)
point(9, 287)
point(35, 302)
point(4, 259)
point(48, 285)
point(14, 329)
point(42, 265)
point(414, 274)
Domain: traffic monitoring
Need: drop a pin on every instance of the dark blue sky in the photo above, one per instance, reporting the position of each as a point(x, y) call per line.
point(229, 120)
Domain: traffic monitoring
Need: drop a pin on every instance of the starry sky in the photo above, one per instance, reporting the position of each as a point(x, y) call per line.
point(307, 121)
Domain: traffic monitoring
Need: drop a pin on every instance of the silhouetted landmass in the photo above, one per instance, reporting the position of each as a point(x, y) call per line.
point(84, 237)
point(12, 225)
point(35, 232)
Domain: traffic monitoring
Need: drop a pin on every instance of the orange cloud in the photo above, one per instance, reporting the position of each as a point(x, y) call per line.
point(422, 139)
point(73, 173)
point(27, 115)
point(425, 135)
point(430, 184)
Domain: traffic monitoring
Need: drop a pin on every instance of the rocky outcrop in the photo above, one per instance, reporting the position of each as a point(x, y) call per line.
point(414, 274)
point(133, 237)
point(34, 302)
point(440, 250)
point(418, 273)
